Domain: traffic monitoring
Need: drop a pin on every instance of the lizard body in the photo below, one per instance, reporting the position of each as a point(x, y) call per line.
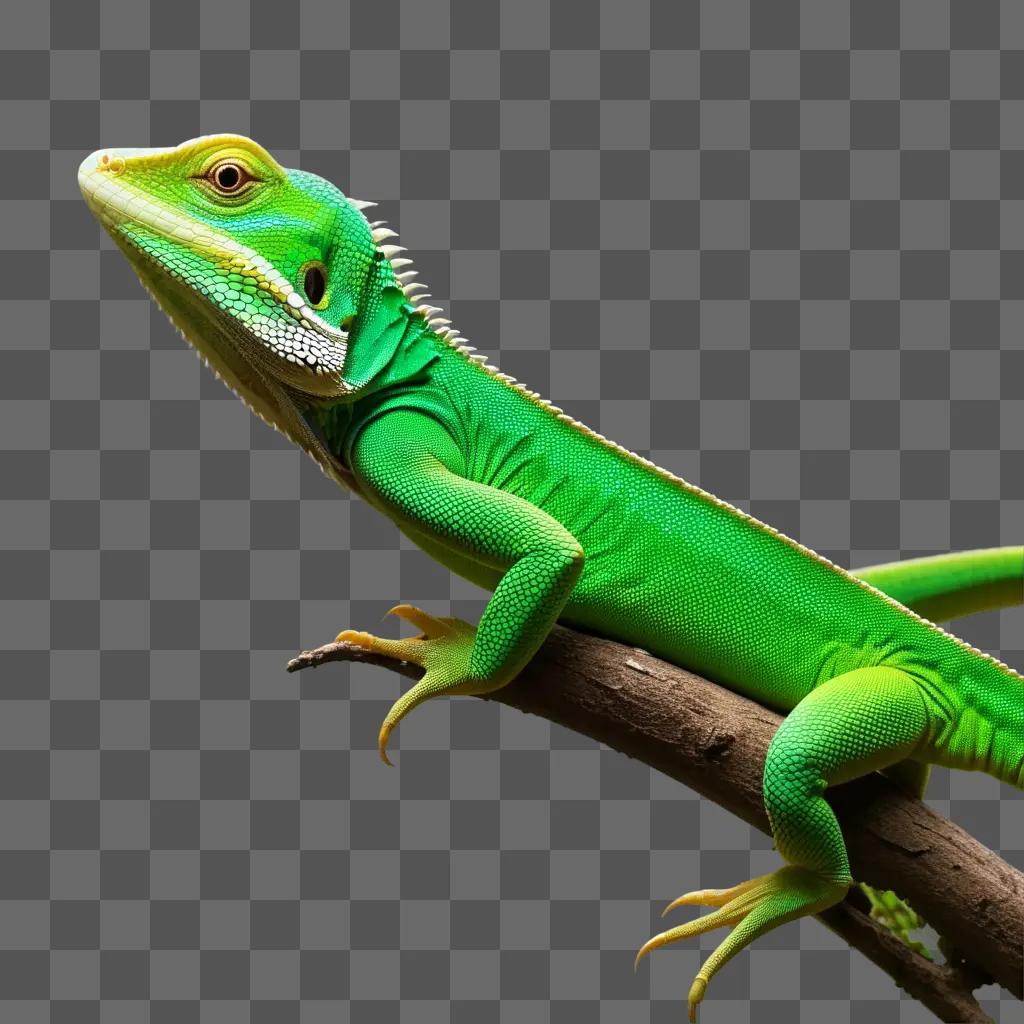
point(298, 302)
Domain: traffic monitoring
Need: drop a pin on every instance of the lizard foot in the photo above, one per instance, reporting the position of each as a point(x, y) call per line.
point(751, 908)
point(442, 647)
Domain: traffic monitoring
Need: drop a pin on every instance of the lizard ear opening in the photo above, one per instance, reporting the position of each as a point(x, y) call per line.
point(314, 284)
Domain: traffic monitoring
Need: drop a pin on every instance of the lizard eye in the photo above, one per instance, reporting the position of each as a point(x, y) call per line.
point(228, 177)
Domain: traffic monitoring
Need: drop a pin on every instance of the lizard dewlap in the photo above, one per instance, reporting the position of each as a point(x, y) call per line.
point(311, 315)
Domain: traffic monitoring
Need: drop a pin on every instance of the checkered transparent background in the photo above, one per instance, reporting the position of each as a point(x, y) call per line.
point(777, 247)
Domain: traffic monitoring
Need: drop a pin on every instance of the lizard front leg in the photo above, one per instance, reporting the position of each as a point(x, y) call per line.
point(409, 466)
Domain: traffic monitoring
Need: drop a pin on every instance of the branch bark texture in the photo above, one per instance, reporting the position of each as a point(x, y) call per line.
point(714, 741)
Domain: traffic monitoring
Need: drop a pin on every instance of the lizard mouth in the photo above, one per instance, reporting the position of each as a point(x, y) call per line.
point(278, 328)
point(221, 340)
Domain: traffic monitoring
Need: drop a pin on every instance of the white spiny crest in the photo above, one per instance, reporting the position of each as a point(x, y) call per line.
point(451, 336)
point(381, 233)
point(361, 204)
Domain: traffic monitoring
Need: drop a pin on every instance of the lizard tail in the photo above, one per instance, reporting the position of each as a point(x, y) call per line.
point(943, 587)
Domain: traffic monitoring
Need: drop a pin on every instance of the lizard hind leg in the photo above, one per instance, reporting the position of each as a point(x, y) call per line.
point(858, 722)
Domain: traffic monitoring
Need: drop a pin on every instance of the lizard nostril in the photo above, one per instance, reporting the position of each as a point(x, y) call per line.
point(111, 164)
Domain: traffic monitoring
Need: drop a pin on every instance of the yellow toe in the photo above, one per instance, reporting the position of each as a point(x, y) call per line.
point(352, 636)
point(410, 649)
point(688, 899)
point(711, 897)
point(697, 990)
point(429, 625)
point(659, 940)
point(382, 743)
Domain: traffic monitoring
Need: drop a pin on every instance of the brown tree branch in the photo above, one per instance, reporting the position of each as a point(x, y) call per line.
point(714, 741)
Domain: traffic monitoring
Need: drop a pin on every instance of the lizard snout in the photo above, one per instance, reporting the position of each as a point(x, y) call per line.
point(109, 162)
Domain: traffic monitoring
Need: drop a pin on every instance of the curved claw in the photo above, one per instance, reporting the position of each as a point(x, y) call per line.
point(382, 743)
point(415, 695)
point(651, 943)
point(699, 925)
point(697, 990)
point(687, 899)
point(408, 649)
point(710, 897)
point(442, 649)
point(429, 625)
point(700, 983)
point(750, 909)
point(352, 636)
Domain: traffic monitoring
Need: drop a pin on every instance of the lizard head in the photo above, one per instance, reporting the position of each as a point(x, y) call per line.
point(263, 269)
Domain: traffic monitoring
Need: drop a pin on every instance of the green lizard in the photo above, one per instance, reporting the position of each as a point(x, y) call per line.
point(302, 306)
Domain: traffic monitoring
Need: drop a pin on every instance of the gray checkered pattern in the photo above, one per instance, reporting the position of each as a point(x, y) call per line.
point(778, 248)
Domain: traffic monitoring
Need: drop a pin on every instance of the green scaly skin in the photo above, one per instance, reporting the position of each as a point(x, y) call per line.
point(556, 521)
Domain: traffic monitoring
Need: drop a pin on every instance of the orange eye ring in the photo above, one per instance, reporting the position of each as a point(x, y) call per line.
point(228, 177)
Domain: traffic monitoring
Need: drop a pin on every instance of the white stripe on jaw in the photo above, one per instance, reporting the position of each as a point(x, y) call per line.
point(116, 201)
